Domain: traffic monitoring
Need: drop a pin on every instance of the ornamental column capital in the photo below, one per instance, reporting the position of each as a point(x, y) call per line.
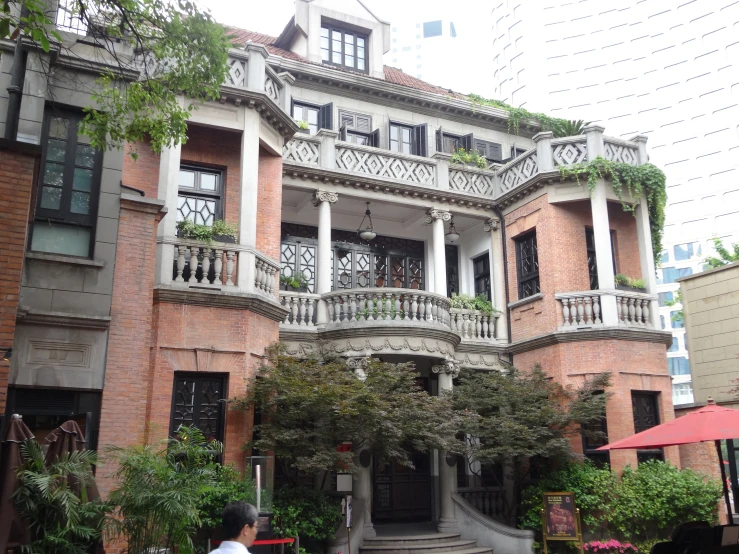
point(433, 214)
point(359, 366)
point(448, 367)
point(492, 224)
point(321, 195)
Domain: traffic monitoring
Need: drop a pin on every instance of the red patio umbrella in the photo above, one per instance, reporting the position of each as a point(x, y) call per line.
point(12, 528)
point(710, 423)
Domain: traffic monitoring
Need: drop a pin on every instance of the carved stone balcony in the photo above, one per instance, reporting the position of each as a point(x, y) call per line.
point(473, 325)
point(582, 310)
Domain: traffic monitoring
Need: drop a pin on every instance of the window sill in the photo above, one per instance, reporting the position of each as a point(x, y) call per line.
point(527, 300)
point(62, 259)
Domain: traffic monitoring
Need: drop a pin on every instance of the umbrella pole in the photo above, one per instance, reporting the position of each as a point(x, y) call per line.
point(723, 482)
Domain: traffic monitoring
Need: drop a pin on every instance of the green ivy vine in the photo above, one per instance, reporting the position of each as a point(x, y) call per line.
point(634, 180)
point(517, 115)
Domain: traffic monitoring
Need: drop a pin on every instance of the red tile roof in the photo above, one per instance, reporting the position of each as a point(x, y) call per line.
point(392, 74)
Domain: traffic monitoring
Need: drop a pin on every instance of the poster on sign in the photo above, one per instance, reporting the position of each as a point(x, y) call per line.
point(560, 517)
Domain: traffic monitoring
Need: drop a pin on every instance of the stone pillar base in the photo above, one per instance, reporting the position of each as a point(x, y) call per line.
point(447, 525)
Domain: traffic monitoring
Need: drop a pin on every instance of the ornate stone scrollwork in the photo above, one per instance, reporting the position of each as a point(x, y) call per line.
point(491, 224)
point(437, 214)
point(448, 367)
point(321, 195)
point(358, 365)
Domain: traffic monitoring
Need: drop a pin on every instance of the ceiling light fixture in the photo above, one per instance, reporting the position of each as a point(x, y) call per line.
point(452, 234)
point(368, 233)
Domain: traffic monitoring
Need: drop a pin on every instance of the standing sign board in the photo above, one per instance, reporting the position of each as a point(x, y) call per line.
point(561, 519)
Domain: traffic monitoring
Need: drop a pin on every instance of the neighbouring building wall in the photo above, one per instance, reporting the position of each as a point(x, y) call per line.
point(17, 177)
point(711, 308)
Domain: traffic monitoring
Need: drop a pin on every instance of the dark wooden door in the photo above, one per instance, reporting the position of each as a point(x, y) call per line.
point(198, 400)
point(402, 493)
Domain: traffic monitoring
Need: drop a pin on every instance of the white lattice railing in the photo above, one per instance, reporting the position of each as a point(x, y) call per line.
point(620, 151)
point(301, 308)
point(236, 72)
point(569, 151)
point(302, 149)
point(272, 88)
point(518, 171)
point(201, 264)
point(383, 163)
point(473, 181)
point(387, 305)
point(473, 324)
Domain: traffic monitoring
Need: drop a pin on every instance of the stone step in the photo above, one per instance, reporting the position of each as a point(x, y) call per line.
point(386, 540)
point(429, 546)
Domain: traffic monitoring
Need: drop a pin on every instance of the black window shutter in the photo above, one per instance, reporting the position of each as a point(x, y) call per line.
point(420, 143)
point(495, 151)
point(439, 140)
point(325, 116)
point(375, 138)
point(342, 132)
point(467, 142)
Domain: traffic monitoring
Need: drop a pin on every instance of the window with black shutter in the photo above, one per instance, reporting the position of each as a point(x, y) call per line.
point(481, 274)
point(357, 129)
point(490, 150)
point(408, 139)
point(527, 265)
point(68, 189)
point(317, 117)
point(645, 407)
point(197, 400)
point(452, 269)
point(199, 195)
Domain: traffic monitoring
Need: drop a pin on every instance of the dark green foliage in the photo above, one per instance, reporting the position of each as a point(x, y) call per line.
point(315, 404)
point(53, 500)
point(569, 128)
point(643, 507)
point(229, 486)
point(306, 513)
point(628, 180)
point(516, 116)
point(160, 491)
point(524, 416)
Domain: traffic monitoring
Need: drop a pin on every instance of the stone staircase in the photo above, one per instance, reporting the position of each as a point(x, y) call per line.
point(422, 541)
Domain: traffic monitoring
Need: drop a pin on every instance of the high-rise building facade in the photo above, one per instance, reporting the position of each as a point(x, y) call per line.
point(664, 69)
point(417, 46)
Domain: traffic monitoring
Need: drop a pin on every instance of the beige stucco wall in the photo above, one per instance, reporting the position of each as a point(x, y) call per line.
point(711, 305)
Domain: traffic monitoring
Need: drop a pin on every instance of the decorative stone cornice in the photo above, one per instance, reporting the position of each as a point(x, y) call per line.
point(491, 224)
point(358, 363)
point(437, 214)
point(256, 303)
point(265, 106)
point(448, 367)
point(61, 319)
point(594, 334)
point(322, 195)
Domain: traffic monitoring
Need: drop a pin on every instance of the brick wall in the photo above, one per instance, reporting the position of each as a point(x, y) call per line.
point(143, 172)
point(17, 176)
point(270, 204)
point(563, 262)
point(634, 366)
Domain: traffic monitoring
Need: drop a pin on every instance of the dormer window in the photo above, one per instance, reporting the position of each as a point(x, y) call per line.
point(344, 48)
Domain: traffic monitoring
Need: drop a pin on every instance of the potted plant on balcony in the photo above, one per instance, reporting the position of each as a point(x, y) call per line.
point(297, 283)
point(627, 283)
point(220, 231)
point(469, 157)
point(224, 232)
point(304, 127)
point(467, 302)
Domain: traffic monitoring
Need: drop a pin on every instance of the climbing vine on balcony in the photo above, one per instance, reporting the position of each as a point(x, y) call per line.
point(517, 115)
point(632, 180)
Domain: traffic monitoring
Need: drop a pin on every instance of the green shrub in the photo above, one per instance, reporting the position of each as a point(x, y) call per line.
point(467, 302)
point(462, 156)
point(306, 513)
point(229, 486)
point(656, 497)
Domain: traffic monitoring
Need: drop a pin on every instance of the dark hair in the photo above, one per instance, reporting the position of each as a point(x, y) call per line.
point(236, 516)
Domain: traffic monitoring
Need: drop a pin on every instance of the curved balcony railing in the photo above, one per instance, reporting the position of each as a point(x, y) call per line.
point(473, 325)
point(387, 305)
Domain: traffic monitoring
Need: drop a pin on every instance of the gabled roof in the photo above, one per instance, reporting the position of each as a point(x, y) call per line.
point(392, 74)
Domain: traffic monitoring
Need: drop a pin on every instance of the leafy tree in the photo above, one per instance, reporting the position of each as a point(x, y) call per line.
point(312, 405)
point(176, 48)
point(569, 128)
point(53, 500)
point(160, 491)
point(525, 418)
point(725, 256)
point(229, 485)
point(308, 514)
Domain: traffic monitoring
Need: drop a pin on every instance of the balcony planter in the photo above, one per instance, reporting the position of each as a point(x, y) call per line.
point(295, 284)
point(304, 131)
point(225, 238)
point(293, 289)
point(629, 289)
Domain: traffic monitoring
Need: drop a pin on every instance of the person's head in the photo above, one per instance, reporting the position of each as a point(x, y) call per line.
point(240, 523)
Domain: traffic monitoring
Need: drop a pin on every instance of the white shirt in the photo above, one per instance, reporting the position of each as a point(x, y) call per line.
point(230, 547)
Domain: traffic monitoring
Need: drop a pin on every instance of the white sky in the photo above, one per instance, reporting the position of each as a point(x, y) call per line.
point(473, 26)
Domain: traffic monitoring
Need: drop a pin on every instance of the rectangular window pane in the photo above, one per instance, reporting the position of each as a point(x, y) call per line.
point(55, 150)
point(312, 116)
point(348, 47)
point(80, 203)
point(324, 32)
point(393, 132)
point(58, 127)
point(187, 179)
point(325, 55)
point(208, 181)
point(82, 179)
point(51, 198)
point(85, 156)
point(360, 64)
point(349, 61)
point(337, 56)
point(54, 174)
point(60, 239)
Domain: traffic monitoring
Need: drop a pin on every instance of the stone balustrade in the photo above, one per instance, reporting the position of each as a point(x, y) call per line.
point(265, 275)
point(302, 149)
point(569, 151)
point(386, 305)
point(384, 163)
point(301, 308)
point(471, 180)
point(583, 309)
point(203, 264)
point(473, 325)
point(518, 171)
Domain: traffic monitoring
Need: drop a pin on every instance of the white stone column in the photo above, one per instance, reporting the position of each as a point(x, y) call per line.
point(492, 226)
point(447, 371)
point(249, 189)
point(602, 230)
point(169, 172)
point(437, 218)
point(646, 257)
point(323, 200)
